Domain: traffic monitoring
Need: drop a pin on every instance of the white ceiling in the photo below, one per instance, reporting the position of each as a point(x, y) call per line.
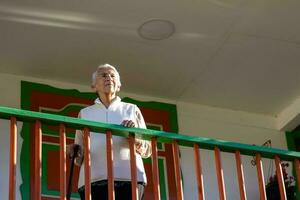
point(235, 54)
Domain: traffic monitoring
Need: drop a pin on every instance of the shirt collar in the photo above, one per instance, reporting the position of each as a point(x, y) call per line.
point(114, 101)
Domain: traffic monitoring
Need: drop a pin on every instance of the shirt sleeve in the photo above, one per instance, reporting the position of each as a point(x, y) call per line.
point(143, 147)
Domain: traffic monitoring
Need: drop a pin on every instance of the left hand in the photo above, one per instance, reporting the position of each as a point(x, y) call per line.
point(128, 123)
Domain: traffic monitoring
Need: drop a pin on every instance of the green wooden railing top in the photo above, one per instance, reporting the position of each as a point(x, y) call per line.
point(165, 137)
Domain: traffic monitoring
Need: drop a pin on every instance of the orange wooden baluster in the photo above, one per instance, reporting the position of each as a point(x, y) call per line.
point(297, 169)
point(199, 174)
point(260, 176)
point(156, 187)
point(62, 163)
point(38, 159)
point(110, 170)
point(240, 173)
point(280, 178)
point(12, 158)
point(133, 167)
point(87, 163)
point(220, 176)
point(177, 170)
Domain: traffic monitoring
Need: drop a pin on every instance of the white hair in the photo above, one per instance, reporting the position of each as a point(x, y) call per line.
point(105, 66)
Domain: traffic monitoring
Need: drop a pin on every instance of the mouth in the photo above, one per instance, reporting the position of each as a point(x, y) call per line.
point(109, 84)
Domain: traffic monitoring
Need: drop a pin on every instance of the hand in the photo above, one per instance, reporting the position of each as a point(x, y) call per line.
point(138, 144)
point(143, 148)
point(128, 123)
point(74, 148)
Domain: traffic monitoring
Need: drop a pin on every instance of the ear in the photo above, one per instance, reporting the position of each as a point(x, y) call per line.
point(93, 87)
point(118, 88)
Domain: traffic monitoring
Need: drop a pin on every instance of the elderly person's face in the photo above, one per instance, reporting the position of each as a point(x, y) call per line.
point(106, 81)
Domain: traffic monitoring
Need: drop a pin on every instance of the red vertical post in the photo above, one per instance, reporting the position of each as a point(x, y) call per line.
point(280, 178)
point(297, 169)
point(199, 174)
point(260, 176)
point(177, 170)
point(220, 175)
point(154, 157)
point(133, 167)
point(240, 173)
point(87, 163)
point(12, 158)
point(62, 163)
point(110, 169)
point(38, 159)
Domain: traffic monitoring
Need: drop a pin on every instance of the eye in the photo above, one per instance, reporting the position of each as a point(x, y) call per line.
point(104, 75)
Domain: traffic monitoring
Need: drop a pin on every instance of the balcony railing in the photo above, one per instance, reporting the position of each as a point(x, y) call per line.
point(196, 143)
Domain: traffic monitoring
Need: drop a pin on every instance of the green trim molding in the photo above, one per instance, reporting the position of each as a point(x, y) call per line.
point(291, 138)
point(49, 117)
point(26, 89)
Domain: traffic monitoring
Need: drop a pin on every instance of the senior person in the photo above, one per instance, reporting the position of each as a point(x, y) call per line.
point(109, 108)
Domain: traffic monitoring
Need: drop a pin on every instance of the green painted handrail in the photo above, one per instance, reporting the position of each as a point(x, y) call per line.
point(165, 137)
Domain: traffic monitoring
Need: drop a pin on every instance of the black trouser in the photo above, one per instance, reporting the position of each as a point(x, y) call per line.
point(122, 190)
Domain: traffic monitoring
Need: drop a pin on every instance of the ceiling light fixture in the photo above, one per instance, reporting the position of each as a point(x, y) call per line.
point(156, 29)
